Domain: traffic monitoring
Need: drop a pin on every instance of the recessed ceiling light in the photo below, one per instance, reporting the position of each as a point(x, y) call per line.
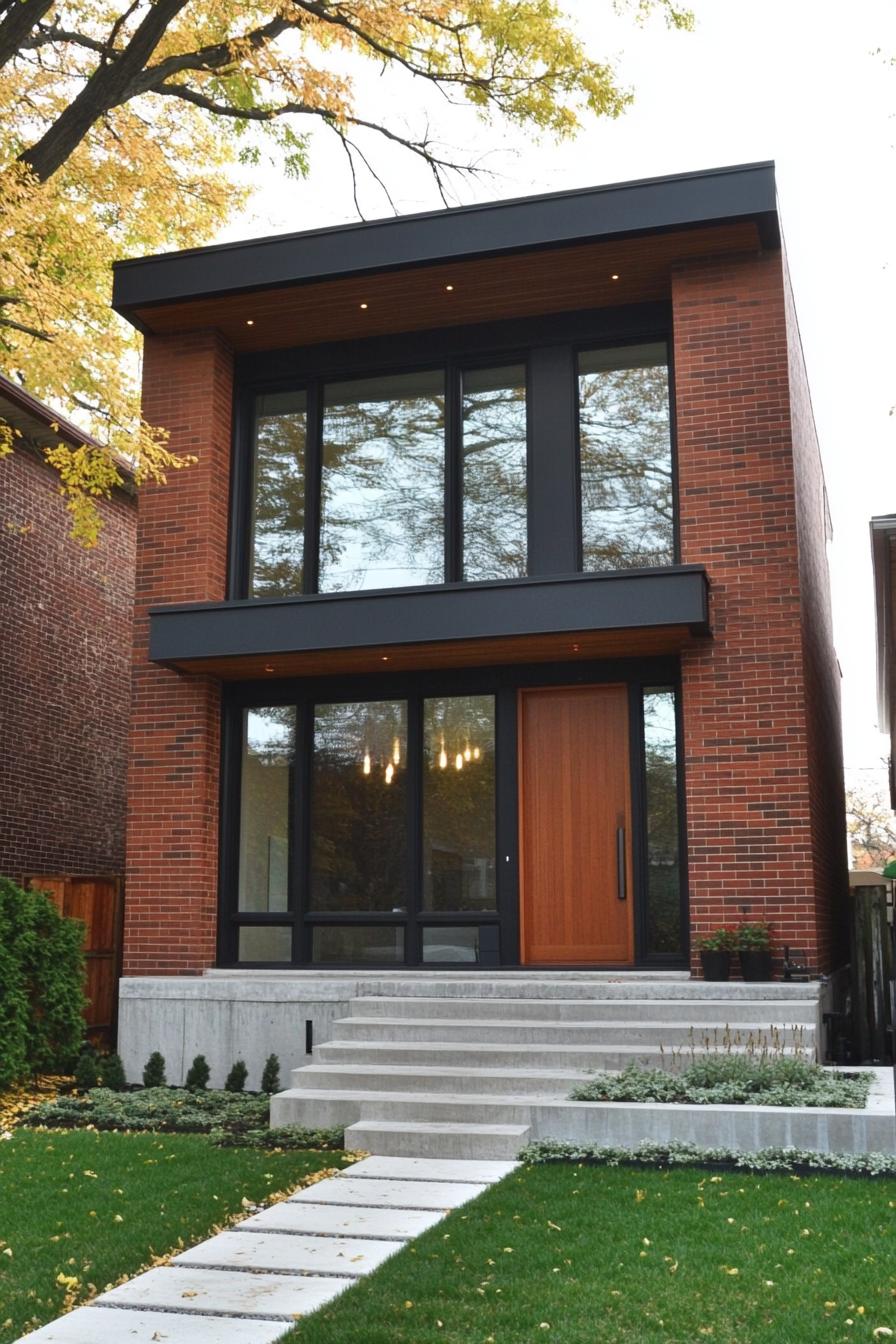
point(449, 287)
point(385, 658)
point(363, 305)
point(250, 321)
point(269, 667)
point(614, 277)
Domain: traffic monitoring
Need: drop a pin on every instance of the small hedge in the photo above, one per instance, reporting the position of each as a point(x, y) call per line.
point(731, 1080)
point(41, 985)
point(800, 1161)
point(233, 1119)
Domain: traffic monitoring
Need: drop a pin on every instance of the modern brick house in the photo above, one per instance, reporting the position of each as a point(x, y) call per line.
point(65, 650)
point(491, 628)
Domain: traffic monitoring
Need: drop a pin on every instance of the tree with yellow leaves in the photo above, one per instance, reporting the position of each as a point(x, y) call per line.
point(119, 122)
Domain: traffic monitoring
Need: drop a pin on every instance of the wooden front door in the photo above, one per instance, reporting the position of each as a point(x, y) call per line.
point(96, 901)
point(575, 826)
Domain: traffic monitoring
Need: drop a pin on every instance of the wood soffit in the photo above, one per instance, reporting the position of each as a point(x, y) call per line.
point(457, 293)
point(565, 647)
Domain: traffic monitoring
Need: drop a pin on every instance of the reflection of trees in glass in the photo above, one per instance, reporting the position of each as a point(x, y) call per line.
point(268, 749)
point(494, 473)
point(661, 773)
point(358, 819)
point(459, 803)
point(626, 458)
point(279, 501)
point(383, 482)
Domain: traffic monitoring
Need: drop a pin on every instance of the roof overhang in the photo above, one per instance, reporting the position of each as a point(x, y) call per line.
point(511, 621)
point(191, 281)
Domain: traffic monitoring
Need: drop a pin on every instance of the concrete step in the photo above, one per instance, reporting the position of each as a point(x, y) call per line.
point(413, 1078)
point(674, 1032)
point(589, 985)
point(396, 1138)
point(507, 1055)
point(711, 1012)
point(343, 1109)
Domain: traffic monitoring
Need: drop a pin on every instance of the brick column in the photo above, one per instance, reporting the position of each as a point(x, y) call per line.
point(172, 847)
point(750, 841)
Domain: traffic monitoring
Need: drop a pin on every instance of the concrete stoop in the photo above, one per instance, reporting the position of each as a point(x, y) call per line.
point(477, 1067)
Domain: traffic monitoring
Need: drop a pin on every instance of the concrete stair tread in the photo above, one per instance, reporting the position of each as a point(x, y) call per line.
point(442, 1071)
point(528, 1024)
point(436, 1127)
point(491, 1099)
point(526, 1047)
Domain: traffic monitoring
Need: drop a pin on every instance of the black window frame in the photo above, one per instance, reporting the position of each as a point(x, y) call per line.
point(502, 681)
point(548, 347)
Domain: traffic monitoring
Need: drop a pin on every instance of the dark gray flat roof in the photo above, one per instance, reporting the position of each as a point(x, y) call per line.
point(658, 204)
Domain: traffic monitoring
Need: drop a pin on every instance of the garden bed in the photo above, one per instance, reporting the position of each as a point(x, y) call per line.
point(732, 1080)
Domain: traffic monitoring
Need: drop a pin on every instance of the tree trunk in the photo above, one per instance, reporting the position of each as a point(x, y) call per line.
point(18, 23)
point(109, 85)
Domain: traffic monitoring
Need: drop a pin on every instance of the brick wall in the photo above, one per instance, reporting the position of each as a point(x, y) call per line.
point(759, 696)
point(65, 637)
point(171, 907)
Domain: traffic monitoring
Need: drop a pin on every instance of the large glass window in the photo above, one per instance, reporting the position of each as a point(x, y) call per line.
point(383, 482)
point(661, 788)
point(359, 807)
point(625, 458)
point(267, 773)
point(459, 803)
point(278, 522)
point(494, 473)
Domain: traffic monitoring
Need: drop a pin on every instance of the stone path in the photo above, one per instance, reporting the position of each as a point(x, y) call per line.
point(248, 1285)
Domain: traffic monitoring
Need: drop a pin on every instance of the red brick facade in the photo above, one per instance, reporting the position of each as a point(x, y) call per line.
point(171, 907)
point(65, 642)
point(760, 696)
point(763, 773)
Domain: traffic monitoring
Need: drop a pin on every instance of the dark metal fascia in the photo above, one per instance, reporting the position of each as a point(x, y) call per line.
point(717, 195)
point(391, 617)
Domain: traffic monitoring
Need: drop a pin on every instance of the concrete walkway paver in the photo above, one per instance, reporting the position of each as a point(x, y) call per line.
point(247, 1285)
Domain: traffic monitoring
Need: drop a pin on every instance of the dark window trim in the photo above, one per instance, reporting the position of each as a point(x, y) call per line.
point(552, 337)
point(503, 683)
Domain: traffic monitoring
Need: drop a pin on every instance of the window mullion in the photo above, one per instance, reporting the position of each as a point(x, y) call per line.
point(313, 471)
point(453, 475)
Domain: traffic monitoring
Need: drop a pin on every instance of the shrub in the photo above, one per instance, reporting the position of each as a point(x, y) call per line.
point(288, 1136)
point(720, 940)
point(112, 1071)
point(754, 937)
point(86, 1071)
point(236, 1078)
point(198, 1075)
point(676, 1154)
point(154, 1073)
point(168, 1110)
point(42, 978)
point(270, 1077)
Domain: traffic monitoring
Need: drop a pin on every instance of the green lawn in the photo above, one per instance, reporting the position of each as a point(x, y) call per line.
point(581, 1255)
point(95, 1207)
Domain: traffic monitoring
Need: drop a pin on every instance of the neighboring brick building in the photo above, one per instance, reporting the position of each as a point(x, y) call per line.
point(492, 625)
point(65, 648)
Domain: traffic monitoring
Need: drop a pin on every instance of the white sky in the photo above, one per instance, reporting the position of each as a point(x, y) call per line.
point(808, 83)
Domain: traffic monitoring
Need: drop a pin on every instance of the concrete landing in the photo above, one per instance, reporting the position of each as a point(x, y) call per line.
point(250, 1284)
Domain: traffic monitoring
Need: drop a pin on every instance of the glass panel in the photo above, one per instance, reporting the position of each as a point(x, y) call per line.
point(383, 483)
point(626, 458)
point(355, 942)
point(265, 942)
point(494, 466)
point(359, 807)
point(278, 495)
point(268, 752)
point(661, 773)
point(459, 803)
point(451, 943)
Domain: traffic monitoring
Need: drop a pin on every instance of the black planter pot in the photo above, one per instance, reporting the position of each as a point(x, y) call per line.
point(716, 965)
point(756, 963)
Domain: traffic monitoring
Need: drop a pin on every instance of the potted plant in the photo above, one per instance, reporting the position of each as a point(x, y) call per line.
point(715, 954)
point(754, 942)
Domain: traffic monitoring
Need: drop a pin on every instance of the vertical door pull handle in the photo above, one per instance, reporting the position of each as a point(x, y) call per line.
point(620, 863)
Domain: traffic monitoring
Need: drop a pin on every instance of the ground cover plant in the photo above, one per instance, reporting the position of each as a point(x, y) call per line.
point(588, 1255)
point(735, 1079)
point(81, 1210)
point(228, 1117)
